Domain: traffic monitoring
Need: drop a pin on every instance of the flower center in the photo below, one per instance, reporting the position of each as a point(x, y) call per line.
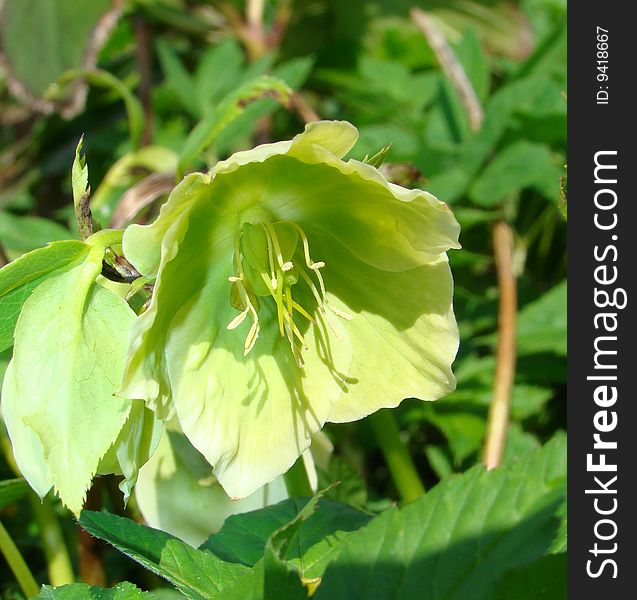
point(270, 258)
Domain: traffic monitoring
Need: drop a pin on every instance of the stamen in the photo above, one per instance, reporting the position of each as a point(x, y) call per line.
point(312, 287)
point(271, 234)
point(251, 338)
point(315, 266)
point(240, 318)
point(237, 280)
point(301, 310)
point(279, 307)
point(279, 277)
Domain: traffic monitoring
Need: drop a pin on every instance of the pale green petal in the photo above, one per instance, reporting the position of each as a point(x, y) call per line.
point(146, 246)
point(383, 248)
point(76, 333)
point(177, 493)
point(336, 138)
point(384, 225)
point(250, 416)
point(143, 243)
point(403, 334)
point(27, 447)
point(135, 444)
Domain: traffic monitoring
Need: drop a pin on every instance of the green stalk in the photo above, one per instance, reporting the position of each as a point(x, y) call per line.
point(401, 466)
point(57, 557)
point(17, 565)
point(55, 551)
point(296, 480)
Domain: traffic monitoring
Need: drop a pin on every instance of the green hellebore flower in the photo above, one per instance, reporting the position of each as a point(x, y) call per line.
point(293, 288)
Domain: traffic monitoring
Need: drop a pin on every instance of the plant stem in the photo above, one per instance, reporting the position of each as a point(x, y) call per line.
point(498, 420)
point(145, 68)
point(55, 551)
point(58, 561)
point(401, 466)
point(297, 481)
point(17, 565)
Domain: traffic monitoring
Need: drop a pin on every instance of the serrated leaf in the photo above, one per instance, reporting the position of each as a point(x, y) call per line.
point(41, 40)
point(20, 277)
point(82, 591)
point(560, 543)
point(243, 538)
point(458, 540)
point(280, 578)
point(12, 490)
point(79, 185)
point(197, 574)
point(62, 422)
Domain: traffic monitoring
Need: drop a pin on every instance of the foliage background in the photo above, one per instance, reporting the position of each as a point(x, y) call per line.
point(363, 61)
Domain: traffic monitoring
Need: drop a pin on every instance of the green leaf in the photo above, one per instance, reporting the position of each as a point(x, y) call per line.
point(195, 573)
point(545, 578)
point(12, 490)
point(79, 184)
point(541, 325)
point(519, 166)
point(519, 443)
point(560, 543)
point(459, 539)
point(226, 112)
point(217, 72)
point(82, 591)
point(178, 79)
point(281, 580)
point(22, 234)
point(462, 415)
point(243, 538)
point(377, 159)
point(474, 61)
point(63, 421)
point(524, 95)
point(20, 277)
point(41, 40)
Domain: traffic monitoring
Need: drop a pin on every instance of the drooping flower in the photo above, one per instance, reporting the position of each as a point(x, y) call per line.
point(292, 288)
